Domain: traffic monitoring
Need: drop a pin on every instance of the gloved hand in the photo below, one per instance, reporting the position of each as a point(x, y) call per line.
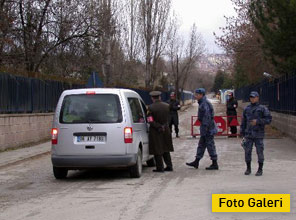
point(244, 142)
point(161, 129)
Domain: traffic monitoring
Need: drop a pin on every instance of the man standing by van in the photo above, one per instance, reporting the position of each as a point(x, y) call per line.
point(174, 118)
point(160, 138)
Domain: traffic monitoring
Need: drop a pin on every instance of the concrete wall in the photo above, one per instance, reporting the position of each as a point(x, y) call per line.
point(21, 129)
point(283, 122)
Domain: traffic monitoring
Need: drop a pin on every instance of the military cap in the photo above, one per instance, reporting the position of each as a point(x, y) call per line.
point(172, 94)
point(200, 91)
point(254, 94)
point(155, 93)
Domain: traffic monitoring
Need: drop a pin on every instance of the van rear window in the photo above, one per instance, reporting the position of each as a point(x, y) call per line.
point(99, 108)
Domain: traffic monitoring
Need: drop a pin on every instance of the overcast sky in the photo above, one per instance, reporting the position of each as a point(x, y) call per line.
point(208, 15)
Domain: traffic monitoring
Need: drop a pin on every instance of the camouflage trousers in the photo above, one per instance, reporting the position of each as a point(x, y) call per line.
point(259, 149)
point(206, 142)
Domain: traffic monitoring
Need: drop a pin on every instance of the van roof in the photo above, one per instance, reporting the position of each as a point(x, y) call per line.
point(97, 90)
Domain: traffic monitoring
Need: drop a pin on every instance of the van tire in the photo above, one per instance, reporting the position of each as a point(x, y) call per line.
point(151, 162)
point(60, 172)
point(136, 170)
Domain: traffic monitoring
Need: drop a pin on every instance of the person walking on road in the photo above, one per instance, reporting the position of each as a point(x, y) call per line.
point(160, 137)
point(255, 117)
point(174, 118)
point(231, 106)
point(207, 131)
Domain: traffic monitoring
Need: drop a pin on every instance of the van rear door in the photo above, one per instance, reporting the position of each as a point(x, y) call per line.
point(91, 124)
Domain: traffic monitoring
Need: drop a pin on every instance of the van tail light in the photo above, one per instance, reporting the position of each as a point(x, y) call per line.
point(90, 92)
point(128, 135)
point(54, 136)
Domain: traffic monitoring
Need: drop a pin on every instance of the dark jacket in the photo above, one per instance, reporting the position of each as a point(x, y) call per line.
point(231, 106)
point(174, 106)
point(263, 117)
point(206, 117)
point(160, 139)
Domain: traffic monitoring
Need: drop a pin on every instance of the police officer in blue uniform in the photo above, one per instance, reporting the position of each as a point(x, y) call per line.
point(255, 117)
point(207, 131)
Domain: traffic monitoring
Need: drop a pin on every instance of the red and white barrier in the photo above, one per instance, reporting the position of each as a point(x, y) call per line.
point(222, 123)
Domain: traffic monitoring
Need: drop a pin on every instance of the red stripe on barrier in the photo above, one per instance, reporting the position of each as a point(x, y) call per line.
point(222, 123)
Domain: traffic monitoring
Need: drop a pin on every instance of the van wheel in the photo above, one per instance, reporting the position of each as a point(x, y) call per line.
point(136, 170)
point(151, 162)
point(60, 173)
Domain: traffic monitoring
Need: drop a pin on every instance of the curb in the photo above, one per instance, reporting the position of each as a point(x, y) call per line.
point(13, 157)
point(21, 160)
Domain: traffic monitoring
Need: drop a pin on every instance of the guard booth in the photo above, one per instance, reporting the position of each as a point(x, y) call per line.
point(222, 123)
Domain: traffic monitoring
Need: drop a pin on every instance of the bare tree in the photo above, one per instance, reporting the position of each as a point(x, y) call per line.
point(130, 28)
point(44, 25)
point(120, 40)
point(183, 60)
point(7, 17)
point(194, 50)
point(154, 16)
point(175, 51)
point(107, 25)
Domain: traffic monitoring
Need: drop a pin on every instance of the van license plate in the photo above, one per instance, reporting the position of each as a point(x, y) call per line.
point(91, 139)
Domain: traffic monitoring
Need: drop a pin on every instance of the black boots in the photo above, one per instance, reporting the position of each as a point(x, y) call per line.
point(260, 170)
point(168, 169)
point(158, 170)
point(258, 173)
point(248, 171)
point(214, 166)
point(194, 163)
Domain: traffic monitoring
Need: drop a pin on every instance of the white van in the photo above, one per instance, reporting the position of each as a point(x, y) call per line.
point(100, 128)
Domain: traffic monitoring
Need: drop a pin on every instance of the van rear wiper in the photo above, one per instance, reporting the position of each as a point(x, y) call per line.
point(78, 121)
point(94, 121)
point(86, 121)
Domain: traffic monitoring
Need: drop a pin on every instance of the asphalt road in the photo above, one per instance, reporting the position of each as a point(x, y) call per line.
point(28, 189)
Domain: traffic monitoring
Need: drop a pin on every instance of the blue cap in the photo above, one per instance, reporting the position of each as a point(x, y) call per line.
point(200, 91)
point(254, 94)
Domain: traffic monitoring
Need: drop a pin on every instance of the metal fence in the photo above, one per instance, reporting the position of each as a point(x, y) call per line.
point(279, 94)
point(28, 95)
point(165, 96)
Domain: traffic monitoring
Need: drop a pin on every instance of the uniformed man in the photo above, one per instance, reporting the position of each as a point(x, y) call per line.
point(255, 117)
point(231, 106)
point(174, 118)
point(160, 138)
point(207, 131)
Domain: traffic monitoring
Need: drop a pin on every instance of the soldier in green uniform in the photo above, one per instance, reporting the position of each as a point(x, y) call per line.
point(160, 138)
